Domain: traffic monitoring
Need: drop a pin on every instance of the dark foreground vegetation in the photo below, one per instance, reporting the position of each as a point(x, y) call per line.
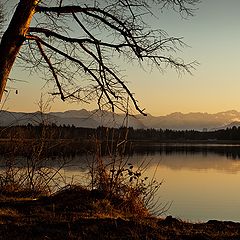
point(76, 213)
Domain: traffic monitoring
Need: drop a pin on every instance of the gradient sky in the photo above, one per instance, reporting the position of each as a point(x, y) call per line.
point(213, 35)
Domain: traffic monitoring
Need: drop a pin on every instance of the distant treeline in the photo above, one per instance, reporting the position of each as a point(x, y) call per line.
point(106, 134)
point(179, 135)
point(53, 140)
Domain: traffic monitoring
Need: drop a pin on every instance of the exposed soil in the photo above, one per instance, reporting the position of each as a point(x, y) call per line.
point(83, 214)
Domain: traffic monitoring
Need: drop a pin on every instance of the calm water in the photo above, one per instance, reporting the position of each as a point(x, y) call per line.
point(199, 186)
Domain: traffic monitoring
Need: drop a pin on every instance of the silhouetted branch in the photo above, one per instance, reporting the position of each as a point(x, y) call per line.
point(184, 7)
point(86, 69)
point(49, 33)
point(1, 17)
point(51, 68)
point(82, 41)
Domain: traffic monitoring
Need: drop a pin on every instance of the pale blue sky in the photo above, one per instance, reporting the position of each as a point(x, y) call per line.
point(213, 35)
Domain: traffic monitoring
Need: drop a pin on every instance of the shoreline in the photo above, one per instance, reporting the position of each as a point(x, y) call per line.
point(56, 218)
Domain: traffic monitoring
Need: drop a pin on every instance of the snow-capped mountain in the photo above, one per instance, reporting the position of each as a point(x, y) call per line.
point(95, 118)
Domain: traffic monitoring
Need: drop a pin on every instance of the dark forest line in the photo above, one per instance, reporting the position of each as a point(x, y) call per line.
point(53, 140)
point(103, 133)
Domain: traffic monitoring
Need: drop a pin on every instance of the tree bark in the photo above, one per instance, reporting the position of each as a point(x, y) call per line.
point(14, 37)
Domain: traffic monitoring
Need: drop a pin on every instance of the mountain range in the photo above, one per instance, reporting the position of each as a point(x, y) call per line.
point(92, 119)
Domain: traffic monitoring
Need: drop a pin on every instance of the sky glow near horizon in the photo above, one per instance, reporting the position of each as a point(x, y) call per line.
point(213, 35)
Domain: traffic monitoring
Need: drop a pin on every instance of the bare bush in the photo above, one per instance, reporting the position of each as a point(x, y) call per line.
point(125, 184)
point(26, 169)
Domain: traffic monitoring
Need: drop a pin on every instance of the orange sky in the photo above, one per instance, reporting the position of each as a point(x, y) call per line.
point(214, 37)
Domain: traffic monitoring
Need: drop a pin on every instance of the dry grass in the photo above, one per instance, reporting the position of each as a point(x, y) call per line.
point(8, 215)
point(95, 202)
point(79, 213)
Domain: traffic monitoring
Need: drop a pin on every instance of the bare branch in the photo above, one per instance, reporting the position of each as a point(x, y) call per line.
point(184, 7)
point(86, 69)
point(1, 17)
point(79, 44)
point(51, 68)
point(49, 33)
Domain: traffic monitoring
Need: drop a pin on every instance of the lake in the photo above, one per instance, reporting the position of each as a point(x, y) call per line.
point(199, 185)
point(200, 181)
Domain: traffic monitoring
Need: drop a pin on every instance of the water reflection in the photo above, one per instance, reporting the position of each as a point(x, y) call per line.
point(202, 185)
point(195, 162)
point(229, 150)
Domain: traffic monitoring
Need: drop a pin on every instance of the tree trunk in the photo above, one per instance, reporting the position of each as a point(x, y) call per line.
point(14, 37)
